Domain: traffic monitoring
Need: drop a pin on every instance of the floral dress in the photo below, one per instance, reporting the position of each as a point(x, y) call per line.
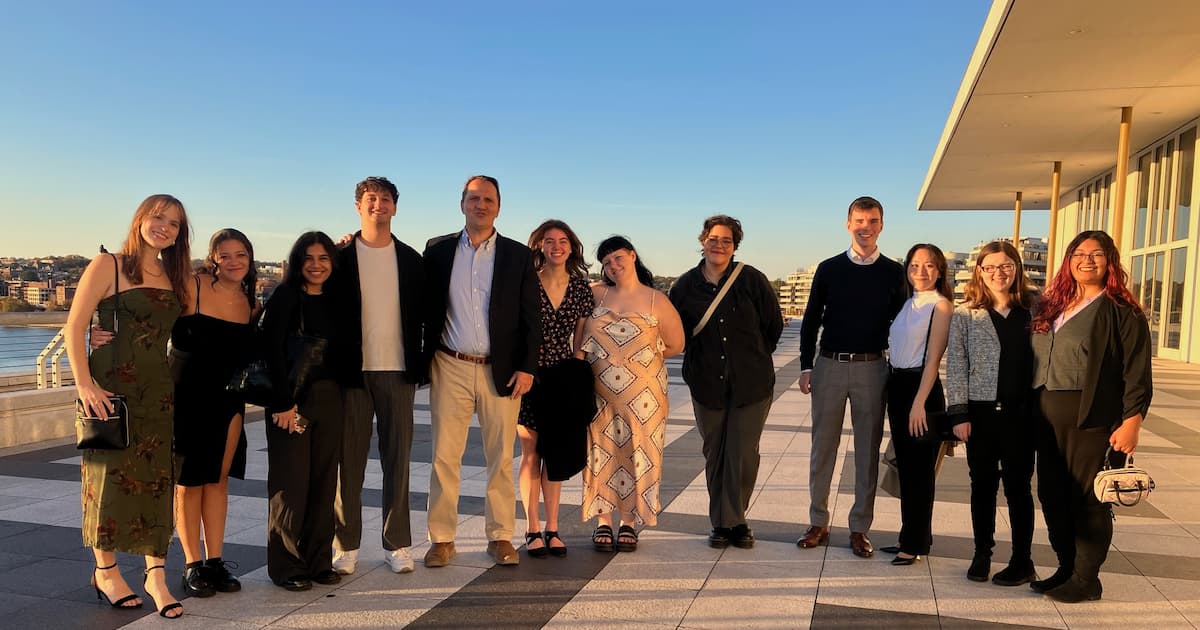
point(625, 441)
point(558, 326)
point(127, 494)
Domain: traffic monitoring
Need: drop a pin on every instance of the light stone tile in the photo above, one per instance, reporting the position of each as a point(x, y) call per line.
point(959, 597)
point(755, 594)
point(42, 489)
point(61, 511)
point(872, 584)
point(364, 609)
point(434, 584)
point(259, 603)
point(1108, 613)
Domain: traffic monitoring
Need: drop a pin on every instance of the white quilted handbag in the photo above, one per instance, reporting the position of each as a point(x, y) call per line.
point(1125, 487)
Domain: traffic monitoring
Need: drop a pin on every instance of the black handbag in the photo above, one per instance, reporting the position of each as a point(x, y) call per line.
point(253, 383)
point(939, 428)
point(305, 353)
point(111, 434)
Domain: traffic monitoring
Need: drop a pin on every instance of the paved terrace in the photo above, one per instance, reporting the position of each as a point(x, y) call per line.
point(674, 580)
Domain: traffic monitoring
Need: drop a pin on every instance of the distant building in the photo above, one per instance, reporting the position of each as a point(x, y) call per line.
point(38, 293)
point(63, 294)
point(793, 294)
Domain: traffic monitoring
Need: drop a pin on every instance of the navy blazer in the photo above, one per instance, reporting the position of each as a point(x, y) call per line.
point(514, 320)
point(411, 275)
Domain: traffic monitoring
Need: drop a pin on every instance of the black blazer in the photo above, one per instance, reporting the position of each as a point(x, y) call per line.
point(410, 271)
point(1118, 383)
point(514, 321)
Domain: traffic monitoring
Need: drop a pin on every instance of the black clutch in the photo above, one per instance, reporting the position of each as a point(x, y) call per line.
point(305, 354)
point(939, 428)
point(253, 384)
point(107, 435)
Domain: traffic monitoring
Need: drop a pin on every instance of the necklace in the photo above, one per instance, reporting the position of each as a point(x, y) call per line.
point(147, 271)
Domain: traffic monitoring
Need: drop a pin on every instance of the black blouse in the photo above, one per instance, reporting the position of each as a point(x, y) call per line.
point(730, 360)
point(1016, 355)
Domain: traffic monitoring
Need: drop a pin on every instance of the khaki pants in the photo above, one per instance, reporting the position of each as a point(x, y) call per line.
point(458, 390)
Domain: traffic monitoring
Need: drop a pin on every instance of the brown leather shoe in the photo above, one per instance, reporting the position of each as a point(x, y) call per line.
point(861, 545)
point(813, 537)
point(503, 552)
point(439, 555)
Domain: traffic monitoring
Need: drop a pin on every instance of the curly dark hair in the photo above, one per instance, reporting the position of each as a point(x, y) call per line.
point(250, 281)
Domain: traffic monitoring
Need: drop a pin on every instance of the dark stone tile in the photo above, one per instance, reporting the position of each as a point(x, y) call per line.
point(831, 617)
point(51, 577)
point(66, 615)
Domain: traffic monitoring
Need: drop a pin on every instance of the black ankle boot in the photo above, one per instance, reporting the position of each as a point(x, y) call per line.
point(1017, 572)
point(981, 566)
point(1076, 590)
point(219, 576)
point(195, 580)
point(1059, 578)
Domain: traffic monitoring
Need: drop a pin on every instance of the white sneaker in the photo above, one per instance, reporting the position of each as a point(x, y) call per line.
point(344, 562)
point(400, 560)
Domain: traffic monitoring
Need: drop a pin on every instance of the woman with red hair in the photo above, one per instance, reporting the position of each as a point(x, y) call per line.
point(1091, 345)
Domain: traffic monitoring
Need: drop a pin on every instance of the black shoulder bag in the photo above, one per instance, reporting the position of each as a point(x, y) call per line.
point(111, 434)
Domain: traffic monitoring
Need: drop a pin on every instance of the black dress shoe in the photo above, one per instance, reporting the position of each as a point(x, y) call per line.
point(195, 581)
point(1060, 577)
point(327, 577)
point(217, 572)
point(1076, 590)
point(1015, 574)
point(980, 567)
point(719, 538)
point(297, 583)
point(742, 537)
point(892, 549)
point(901, 561)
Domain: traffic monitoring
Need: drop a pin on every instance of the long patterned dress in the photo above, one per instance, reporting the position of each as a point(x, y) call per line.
point(625, 441)
point(127, 494)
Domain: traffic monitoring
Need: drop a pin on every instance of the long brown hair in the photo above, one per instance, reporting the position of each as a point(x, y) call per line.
point(176, 257)
point(939, 259)
point(1064, 289)
point(976, 295)
point(576, 265)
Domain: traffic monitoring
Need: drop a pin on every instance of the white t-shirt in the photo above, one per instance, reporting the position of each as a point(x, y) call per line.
point(379, 284)
point(910, 329)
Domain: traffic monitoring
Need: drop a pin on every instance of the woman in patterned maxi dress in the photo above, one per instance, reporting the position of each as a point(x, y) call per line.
point(127, 494)
point(630, 333)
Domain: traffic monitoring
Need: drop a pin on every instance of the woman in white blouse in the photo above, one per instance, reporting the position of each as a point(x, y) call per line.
point(916, 342)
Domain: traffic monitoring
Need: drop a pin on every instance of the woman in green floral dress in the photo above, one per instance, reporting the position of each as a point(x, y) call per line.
point(127, 494)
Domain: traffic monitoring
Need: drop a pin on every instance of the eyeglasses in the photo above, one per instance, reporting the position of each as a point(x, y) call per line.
point(712, 241)
point(1007, 268)
point(1097, 255)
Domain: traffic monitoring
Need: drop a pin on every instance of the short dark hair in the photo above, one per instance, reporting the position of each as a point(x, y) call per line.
point(733, 224)
point(295, 264)
point(487, 178)
point(375, 184)
point(576, 265)
point(863, 204)
point(612, 244)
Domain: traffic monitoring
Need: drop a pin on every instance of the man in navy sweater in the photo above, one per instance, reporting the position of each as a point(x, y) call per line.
point(855, 296)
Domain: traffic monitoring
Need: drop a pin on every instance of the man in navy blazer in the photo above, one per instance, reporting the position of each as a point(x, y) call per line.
point(482, 330)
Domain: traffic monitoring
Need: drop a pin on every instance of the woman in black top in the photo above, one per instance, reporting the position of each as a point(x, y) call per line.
point(988, 367)
point(1091, 345)
point(729, 371)
point(304, 436)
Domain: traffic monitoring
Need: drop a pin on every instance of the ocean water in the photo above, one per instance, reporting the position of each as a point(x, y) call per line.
point(20, 346)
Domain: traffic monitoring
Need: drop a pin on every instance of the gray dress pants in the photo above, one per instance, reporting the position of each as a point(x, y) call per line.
point(864, 385)
point(730, 443)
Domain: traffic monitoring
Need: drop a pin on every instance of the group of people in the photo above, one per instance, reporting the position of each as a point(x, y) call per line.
point(511, 333)
point(516, 335)
point(1061, 379)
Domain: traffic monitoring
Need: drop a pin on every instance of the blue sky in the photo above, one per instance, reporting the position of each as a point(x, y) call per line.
point(633, 118)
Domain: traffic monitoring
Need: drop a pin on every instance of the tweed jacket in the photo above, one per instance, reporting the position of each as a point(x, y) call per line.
point(972, 360)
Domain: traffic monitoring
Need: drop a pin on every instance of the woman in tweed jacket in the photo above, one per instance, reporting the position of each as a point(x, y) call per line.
point(988, 371)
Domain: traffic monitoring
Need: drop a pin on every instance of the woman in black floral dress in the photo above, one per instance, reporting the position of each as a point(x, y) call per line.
point(566, 300)
point(127, 494)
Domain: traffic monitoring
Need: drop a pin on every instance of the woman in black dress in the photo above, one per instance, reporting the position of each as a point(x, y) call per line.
point(566, 299)
point(304, 436)
point(215, 333)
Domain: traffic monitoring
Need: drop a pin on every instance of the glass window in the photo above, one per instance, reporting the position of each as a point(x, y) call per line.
point(1154, 284)
point(1155, 202)
point(1175, 298)
point(1135, 277)
point(1139, 217)
point(1183, 207)
point(1106, 202)
point(1165, 196)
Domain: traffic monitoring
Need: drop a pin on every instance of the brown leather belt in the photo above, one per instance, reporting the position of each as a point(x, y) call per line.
point(462, 356)
point(852, 357)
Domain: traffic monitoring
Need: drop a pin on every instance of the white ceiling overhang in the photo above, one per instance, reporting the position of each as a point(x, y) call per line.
point(1047, 82)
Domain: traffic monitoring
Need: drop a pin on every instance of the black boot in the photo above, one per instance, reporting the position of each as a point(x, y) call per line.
point(1059, 578)
point(1077, 590)
point(1017, 572)
point(195, 580)
point(981, 566)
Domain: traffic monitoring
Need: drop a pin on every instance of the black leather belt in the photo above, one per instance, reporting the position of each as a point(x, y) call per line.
point(916, 370)
point(852, 357)
point(462, 356)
